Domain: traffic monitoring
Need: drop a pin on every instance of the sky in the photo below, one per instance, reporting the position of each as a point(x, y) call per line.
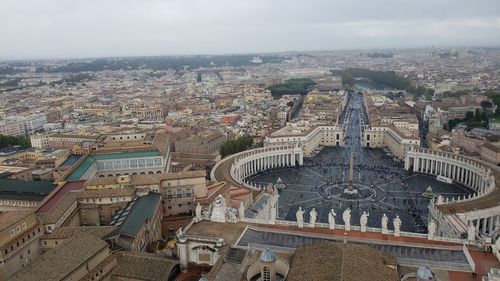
point(95, 28)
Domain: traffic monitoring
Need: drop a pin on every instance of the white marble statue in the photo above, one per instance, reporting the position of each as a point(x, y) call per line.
point(431, 229)
point(241, 211)
point(231, 215)
point(385, 221)
point(331, 219)
point(198, 212)
point(346, 216)
point(313, 215)
point(219, 209)
point(397, 226)
point(300, 217)
point(363, 221)
point(471, 232)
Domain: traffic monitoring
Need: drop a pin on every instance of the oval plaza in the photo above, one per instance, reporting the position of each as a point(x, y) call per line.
point(358, 165)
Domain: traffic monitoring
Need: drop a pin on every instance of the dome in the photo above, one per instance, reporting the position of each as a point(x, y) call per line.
point(204, 278)
point(267, 256)
point(424, 273)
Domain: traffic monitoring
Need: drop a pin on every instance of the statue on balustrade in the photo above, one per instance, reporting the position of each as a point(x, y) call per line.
point(331, 219)
point(198, 212)
point(300, 217)
point(346, 216)
point(219, 207)
point(385, 221)
point(363, 221)
point(313, 215)
point(241, 211)
point(397, 226)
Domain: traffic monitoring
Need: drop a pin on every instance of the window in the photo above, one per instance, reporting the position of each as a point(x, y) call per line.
point(267, 274)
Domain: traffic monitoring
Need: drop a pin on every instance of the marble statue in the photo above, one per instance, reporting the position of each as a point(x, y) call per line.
point(397, 226)
point(198, 212)
point(363, 221)
point(219, 209)
point(300, 217)
point(231, 215)
point(431, 229)
point(241, 211)
point(346, 216)
point(471, 232)
point(313, 215)
point(331, 219)
point(385, 221)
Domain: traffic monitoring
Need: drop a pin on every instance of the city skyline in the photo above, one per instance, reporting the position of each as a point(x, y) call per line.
point(54, 29)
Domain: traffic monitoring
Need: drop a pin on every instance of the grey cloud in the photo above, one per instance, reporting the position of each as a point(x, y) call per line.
point(63, 28)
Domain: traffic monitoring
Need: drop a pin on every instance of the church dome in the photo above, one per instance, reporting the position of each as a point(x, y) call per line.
point(424, 273)
point(267, 256)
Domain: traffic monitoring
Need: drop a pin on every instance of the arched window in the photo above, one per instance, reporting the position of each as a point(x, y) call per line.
point(266, 274)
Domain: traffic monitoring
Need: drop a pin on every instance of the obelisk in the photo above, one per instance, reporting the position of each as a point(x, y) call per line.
point(351, 170)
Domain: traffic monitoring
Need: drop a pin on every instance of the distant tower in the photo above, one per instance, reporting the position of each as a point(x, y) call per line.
point(424, 273)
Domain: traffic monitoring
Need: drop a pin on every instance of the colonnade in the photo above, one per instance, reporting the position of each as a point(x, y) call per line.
point(487, 225)
point(468, 172)
point(455, 167)
point(255, 160)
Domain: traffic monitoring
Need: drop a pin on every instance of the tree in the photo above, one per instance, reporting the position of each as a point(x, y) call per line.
point(477, 115)
point(469, 115)
point(8, 141)
point(235, 145)
point(486, 105)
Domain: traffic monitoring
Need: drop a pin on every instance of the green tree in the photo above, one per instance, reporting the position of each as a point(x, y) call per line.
point(8, 141)
point(235, 145)
point(486, 105)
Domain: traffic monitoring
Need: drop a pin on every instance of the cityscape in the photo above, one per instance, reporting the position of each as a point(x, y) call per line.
point(255, 160)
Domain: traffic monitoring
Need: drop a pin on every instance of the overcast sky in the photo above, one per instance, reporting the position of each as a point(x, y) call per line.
point(92, 28)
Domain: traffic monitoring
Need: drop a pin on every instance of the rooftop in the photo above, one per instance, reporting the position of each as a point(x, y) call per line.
point(136, 213)
point(143, 266)
point(7, 219)
point(60, 262)
point(24, 190)
point(345, 262)
point(79, 171)
point(59, 194)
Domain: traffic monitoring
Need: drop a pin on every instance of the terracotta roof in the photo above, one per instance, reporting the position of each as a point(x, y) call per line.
point(7, 219)
point(101, 181)
point(143, 266)
point(66, 232)
point(60, 262)
point(107, 192)
point(343, 262)
point(145, 179)
point(183, 174)
point(52, 215)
